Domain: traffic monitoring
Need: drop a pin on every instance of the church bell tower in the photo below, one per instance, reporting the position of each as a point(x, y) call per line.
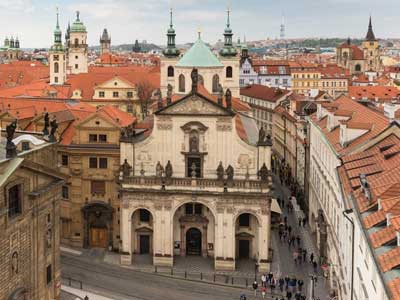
point(57, 59)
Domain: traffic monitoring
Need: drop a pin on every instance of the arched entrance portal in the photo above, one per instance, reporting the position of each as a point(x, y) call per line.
point(98, 224)
point(193, 230)
point(193, 242)
point(142, 232)
point(246, 234)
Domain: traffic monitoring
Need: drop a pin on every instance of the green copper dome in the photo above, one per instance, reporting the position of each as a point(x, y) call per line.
point(78, 25)
point(199, 56)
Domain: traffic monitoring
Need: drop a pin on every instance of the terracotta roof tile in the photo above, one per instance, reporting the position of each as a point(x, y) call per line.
point(390, 259)
point(263, 92)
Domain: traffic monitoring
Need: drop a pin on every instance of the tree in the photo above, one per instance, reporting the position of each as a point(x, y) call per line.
point(144, 92)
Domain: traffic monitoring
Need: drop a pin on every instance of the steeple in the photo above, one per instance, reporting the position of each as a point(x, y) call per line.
point(171, 50)
point(370, 34)
point(228, 49)
point(57, 33)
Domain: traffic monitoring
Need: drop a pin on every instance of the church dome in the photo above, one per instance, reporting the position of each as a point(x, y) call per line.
point(199, 56)
point(78, 25)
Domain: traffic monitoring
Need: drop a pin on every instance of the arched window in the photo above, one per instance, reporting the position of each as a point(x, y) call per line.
point(229, 72)
point(358, 68)
point(76, 42)
point(56, 67)
point(181, 83)
point(215, 83)
point(170, 71)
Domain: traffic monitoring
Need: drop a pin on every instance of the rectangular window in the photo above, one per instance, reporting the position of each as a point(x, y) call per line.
point(115, 94)
point(93, 162)
point(102, 138)
point(198, 209)
point(189, 209)
point(56, 79)
point(14, 201)
point(48, 274)
point(101, 94)
point(92, 138)
point(98, 187)
point(65, 192)
point(129, 94)
point(103, 163)
point(25, 146)
point(64, 160)
point(76, 66)
point(144, 215)
point(244, 220)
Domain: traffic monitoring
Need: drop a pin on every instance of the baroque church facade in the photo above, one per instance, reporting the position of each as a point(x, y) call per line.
point(360, 60)
point(197, 182)
point(215, 72)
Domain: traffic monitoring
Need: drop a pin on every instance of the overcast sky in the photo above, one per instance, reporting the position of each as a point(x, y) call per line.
point(34, 20)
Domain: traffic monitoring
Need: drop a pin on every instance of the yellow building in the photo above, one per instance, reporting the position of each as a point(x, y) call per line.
point(305, 77)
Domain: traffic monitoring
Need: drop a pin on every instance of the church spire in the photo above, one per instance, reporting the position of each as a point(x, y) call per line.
point(57, 32)
point(228, 49)
point(370, 34)
point(171, 50)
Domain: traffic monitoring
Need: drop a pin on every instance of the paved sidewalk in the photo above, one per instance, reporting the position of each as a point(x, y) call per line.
point(283, 263)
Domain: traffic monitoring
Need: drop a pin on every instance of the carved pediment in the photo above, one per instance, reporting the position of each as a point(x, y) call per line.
point(195, 104)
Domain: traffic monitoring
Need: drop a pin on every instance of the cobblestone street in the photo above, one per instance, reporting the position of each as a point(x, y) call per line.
point(283, 262)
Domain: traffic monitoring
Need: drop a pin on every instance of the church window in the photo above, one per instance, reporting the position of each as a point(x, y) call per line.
point(358, 68)
point(56, 79)
point(244, 220)
point(215, 83)
point(14, 201)
point(170, 71)
point(181, 83)
point(144, 215)
point(76, 66)
point(129, 94)
point(55, 57)
point(76, 42)
point(229, 72)
point(101, 94)
point(371, 53)
point(102, 138)
point(93, 138)
point(115, 94)
point(56, 67)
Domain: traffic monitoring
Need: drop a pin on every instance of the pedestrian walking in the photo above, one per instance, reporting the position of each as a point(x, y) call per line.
point(270, 276)
point(298, 239)
point(300, 284)
point(290, 229)
point(289, 295)
point(263, 292)
point(281, 284)
point(297, 296)
point(304, 221)
point(243, 297)
point(304, 254)
point(255, 287)
point(287, 279)
point(280, 234)
point(300, 221)
point(295, 256)
point(315, 266)
point(273, 284)
point(263, 280)
point(311, 257)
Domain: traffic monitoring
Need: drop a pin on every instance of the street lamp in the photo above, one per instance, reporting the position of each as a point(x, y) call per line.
point(345, 214)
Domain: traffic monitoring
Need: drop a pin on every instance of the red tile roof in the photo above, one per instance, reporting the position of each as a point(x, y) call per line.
point(263, 92)
point(382, 93)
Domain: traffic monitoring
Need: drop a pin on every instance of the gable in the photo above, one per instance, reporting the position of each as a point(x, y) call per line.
point(195, 104)
point(115, 83)
point(97, 121)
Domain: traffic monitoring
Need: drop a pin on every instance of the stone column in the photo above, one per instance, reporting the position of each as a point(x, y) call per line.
point(183, 240)
point(204, 246)
point(224, 241)
point(86, 229)
point(163, 236)
point(264, 237)
point(126, 235)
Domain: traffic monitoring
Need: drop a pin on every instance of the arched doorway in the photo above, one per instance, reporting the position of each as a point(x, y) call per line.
point(193, 230)
point(142, 232)
point(193, 241)
point(98, 224)
point(246, 236)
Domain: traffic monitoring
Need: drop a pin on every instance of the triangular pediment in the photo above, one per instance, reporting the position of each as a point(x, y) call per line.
point(195, 104)
point(115, 82)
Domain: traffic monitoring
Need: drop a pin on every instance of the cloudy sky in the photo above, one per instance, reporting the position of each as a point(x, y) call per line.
point(33, 20)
